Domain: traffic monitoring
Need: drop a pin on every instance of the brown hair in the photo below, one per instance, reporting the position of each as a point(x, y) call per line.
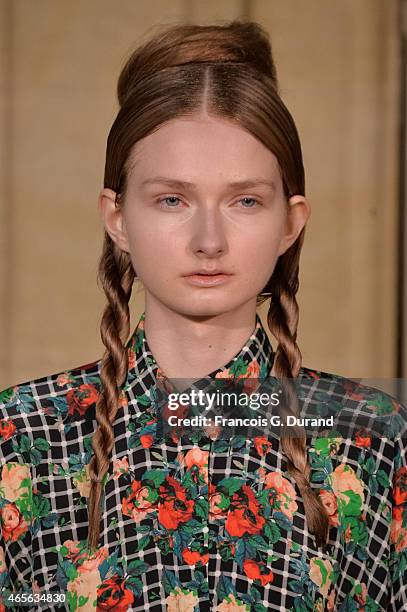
point(227, 71)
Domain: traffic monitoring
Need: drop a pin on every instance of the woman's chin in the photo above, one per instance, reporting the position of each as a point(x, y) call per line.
point(203, 308)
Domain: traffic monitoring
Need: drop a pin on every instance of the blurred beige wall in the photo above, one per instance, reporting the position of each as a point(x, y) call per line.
point(338, 65)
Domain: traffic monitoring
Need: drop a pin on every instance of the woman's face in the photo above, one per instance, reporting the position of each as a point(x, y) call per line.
point(203, 194)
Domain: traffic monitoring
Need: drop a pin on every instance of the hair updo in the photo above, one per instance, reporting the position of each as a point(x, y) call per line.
point(244, 42)
point(225, 71)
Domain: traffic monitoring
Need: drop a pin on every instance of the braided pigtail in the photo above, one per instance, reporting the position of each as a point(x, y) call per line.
point(116, 276)
point(282, 319)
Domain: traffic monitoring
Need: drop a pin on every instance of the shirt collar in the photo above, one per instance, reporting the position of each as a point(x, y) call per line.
point(253, 360)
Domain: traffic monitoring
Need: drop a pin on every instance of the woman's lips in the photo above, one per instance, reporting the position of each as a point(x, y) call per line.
point(207, 280)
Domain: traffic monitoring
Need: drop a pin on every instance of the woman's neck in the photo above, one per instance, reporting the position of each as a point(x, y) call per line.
point(185, 346)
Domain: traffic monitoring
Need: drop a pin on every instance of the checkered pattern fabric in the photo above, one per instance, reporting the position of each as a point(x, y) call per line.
point(197, 524)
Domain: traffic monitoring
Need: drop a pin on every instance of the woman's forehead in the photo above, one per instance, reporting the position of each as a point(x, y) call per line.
point(193, 151)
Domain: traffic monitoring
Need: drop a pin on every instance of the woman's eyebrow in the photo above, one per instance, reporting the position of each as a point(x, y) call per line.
point(243, 184)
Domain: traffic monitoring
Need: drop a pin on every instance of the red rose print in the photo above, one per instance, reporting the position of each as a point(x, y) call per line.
point(113, 595)
point(194, 557)
point(400, 486)
point(80, 398)
point(262, 445)
point(251, 376)
point(363, 440)
point(257, 571)
point(7, 428)
point(146, 440)
point(174, 507)
point(13, 523)
point(243, 516)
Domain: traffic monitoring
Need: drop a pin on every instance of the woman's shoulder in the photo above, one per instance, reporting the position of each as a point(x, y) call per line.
point(50, 400)
point(356, 389)
point(357, 403)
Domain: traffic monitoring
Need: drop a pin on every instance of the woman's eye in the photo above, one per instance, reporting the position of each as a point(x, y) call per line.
point(166, 202)
point(250, 200)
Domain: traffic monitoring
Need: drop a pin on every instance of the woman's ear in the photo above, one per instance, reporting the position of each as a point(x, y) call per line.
point(113, 219)
point(298, 212)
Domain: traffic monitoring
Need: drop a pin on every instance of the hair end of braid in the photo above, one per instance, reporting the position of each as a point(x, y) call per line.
point(95, 510)
point(317, 519)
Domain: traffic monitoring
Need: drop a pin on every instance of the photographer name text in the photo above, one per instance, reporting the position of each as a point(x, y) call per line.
point(289, 420)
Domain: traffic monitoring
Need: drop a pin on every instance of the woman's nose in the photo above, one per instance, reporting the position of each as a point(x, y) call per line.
point(208, 233)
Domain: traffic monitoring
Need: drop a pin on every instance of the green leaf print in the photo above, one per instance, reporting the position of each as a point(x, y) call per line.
point(24, 502)
point(82, 600)
point(296, 586)
point(231, 485)
point(30, 451)
point(373, 486)
point(225, 588)
point(370, 465)
point(137, 567)
point(383, 479)
point(358, 529)
point(41, 444)
point(41, 506)
point(156, 476)
point(6, 395)
point(239, 367)
point(282, 520)
point(272, 532)
point(24, 444)
point(324, 445)
point(135, 585)
point(72, 599)
point(170, 581)
point(381, 404)
point(258, 542)
point(143, 542)
point(143, 400)
point(322, 568)
point(202, 507)
point(351, 506)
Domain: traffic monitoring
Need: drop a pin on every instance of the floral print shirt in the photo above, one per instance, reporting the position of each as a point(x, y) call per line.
point(192, 525)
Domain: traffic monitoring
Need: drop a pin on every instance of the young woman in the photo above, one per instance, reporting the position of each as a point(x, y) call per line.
point(204, 203)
